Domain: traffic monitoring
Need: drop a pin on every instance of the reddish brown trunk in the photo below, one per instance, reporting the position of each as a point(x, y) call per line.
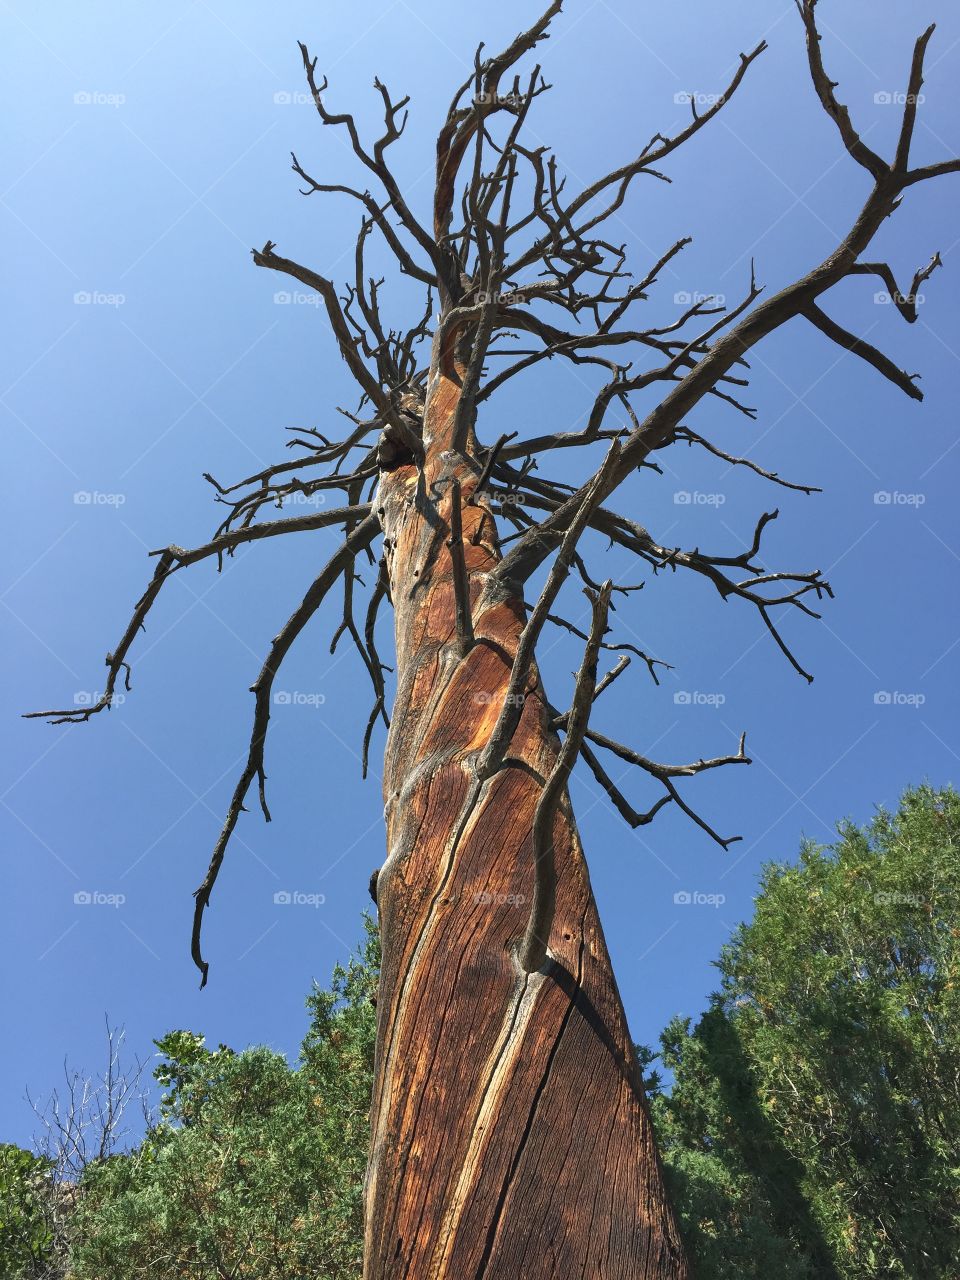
point(510, 1133)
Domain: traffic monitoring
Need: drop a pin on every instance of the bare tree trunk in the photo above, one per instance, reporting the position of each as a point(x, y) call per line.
point(510, 1133)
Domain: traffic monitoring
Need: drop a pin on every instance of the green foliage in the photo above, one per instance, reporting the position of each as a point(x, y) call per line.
point(25, 1237)
point(190, 1072)
point(255, 1170)
point(816, 1106)
point(810, 1130)
point(733, 1188)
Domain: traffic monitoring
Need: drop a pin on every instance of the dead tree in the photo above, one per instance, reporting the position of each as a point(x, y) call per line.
point(82, 1123)
point(509, 1129)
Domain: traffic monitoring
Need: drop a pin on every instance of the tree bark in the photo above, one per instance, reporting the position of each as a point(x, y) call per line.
point(510, 1135)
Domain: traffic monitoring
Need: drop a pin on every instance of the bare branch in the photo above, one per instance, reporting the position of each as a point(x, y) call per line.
point(914, 85)
point(377, 214)
point(375, 163)
point(463, 123)
point(668, 771)
point(656, 150)
point(170, 560)
point(825, 91)
point(489, 463)
point(380, 592)
point(491, 758)
point(266, 257)
point(906, 304)
point(533, 948)
point(684, 433)
point(340, 562)
point(652, 663)
point(622, 663)
point(665, 773)
point(461, 580)
point(630, 815)
point(905, 381)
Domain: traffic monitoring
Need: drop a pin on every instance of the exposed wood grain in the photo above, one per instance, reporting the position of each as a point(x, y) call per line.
point(510, 1132)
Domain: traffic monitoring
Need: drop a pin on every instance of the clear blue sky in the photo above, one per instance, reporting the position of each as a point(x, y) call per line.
point(148, 191)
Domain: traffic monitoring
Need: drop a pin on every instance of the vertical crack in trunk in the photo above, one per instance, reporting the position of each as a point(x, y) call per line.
point(494, 1228)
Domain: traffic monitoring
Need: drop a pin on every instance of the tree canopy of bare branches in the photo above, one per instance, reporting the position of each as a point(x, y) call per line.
point(518, 287)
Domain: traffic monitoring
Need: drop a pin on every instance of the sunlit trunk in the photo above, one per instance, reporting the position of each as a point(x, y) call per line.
point(511, 1139)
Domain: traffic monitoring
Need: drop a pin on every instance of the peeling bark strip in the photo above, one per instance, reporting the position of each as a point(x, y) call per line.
point(510, 1134)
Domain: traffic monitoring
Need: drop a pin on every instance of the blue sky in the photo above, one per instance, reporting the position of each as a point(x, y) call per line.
point(152, 153)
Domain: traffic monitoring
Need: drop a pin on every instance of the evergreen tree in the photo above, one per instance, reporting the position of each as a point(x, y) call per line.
point(816, 1105)
point(255, 1169)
